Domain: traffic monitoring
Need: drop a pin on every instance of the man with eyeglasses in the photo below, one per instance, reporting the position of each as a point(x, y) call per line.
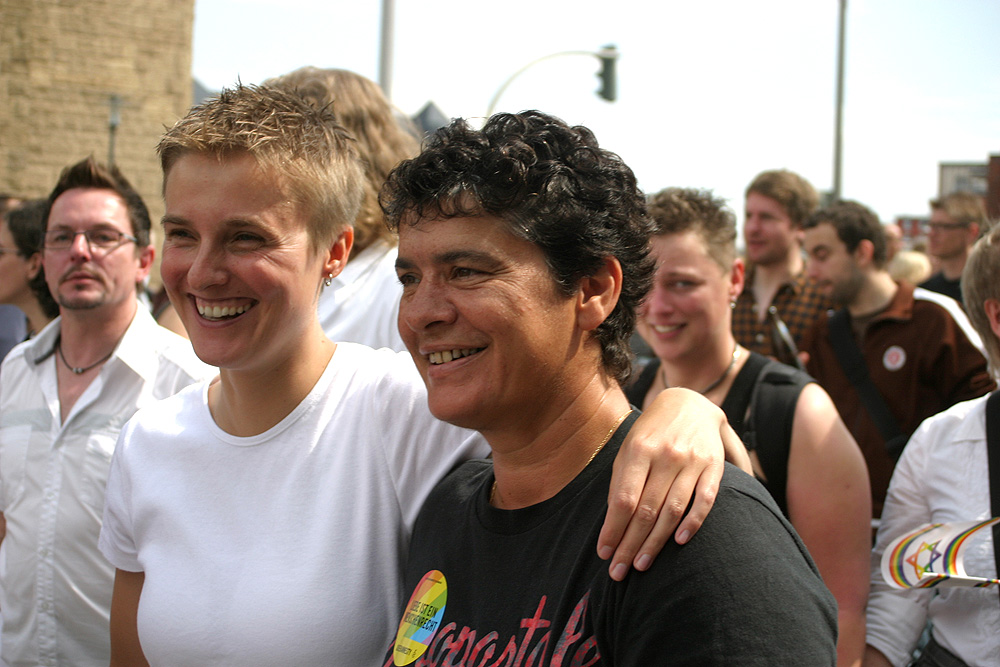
point(956, 221)
point(64, 396)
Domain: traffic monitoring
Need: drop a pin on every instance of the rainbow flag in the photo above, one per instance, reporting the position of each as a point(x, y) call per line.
point(932, 555)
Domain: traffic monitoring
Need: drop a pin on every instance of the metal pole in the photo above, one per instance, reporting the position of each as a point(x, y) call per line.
point(385, 50)
point(838, 139)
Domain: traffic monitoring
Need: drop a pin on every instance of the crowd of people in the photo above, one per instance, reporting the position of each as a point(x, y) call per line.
point(403, 422)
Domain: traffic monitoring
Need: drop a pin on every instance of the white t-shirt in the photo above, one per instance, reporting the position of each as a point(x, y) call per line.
point(284, 548)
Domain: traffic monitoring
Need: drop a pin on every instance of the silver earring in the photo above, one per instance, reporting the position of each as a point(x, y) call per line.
point(328, 280)
point(732, 304)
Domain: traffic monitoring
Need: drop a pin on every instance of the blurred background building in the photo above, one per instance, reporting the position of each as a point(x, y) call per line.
point(82, 77)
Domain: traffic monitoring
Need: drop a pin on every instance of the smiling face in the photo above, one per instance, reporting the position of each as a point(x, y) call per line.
point(82, 277)
point(768, 231)
point(238, 264)
point(687, 313)
point(487, 328)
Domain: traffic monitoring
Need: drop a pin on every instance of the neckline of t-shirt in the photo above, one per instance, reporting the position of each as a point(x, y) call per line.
point(518, 521)
point(307, 404)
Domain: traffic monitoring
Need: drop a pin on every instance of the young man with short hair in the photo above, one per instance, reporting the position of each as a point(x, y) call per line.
point(918, 347)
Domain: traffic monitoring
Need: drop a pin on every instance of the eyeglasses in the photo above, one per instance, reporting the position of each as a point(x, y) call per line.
point(14, 251)
point(945, 226)
point(105, 239)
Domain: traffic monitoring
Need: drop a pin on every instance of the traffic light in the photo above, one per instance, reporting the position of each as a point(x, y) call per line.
point(609, 81)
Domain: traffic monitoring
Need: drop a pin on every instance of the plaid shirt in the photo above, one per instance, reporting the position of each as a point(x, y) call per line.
point(799, 304)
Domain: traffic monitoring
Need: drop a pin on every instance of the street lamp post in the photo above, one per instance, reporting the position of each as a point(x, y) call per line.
point(608, 56)
point(385, 47)
point(838, 139)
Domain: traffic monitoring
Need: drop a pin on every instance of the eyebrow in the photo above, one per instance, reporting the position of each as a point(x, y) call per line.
point(63, 225)
point(232, 222)
point(451, 257)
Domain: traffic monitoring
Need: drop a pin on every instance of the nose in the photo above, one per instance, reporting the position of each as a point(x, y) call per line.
point(423, 307)
point(207, 268)
point(79, 249)
point(659, 301)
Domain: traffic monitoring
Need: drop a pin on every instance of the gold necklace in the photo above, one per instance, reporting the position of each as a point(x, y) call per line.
point(718, 381)
point(493, 489)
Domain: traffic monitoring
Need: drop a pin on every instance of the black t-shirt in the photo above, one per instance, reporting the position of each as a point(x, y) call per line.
point(938, 283)
point(516, 587)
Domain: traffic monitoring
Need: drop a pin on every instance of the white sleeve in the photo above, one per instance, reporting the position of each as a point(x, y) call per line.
point(895, 618)
point(117, 539)
point(420, 449)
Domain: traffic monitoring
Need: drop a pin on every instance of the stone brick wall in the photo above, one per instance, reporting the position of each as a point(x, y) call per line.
point(62, 62)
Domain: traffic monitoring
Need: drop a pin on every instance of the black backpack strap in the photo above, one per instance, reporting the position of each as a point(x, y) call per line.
point(993, 456)
point(856, 370)
point(772, 414)
point(738, 398)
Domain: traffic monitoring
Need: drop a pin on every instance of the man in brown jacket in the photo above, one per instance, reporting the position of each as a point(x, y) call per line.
point(918, 347)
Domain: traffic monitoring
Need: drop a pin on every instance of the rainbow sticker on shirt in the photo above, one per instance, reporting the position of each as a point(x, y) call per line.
point(421, 619)
point(933, 555)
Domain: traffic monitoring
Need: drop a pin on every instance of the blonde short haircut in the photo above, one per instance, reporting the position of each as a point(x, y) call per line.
point(678, 210)
point(385, 138)
point(962, 207)
point(312, 156)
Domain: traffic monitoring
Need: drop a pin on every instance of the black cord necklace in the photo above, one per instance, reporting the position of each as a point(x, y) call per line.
point(725, 373)
point(76, 370)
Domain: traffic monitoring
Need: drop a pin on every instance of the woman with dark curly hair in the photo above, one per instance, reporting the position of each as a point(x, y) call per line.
point(523, 254)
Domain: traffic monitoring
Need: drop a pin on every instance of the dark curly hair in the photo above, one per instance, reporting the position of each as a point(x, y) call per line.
point(554, 187)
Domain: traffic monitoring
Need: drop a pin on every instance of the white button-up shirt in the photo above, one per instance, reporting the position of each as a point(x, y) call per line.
point(55, 586)
point(942, 477)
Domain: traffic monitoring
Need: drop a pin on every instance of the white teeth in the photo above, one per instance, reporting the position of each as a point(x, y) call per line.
point(219, 312)
point(450, 355)
point(665, 329)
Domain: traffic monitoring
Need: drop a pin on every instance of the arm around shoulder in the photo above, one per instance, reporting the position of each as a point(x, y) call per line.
point(672, 458)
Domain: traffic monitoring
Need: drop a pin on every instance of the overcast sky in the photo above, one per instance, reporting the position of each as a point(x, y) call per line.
point(709, 92)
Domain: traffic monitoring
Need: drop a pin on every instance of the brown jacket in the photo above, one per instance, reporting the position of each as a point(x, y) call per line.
point(919, 359)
